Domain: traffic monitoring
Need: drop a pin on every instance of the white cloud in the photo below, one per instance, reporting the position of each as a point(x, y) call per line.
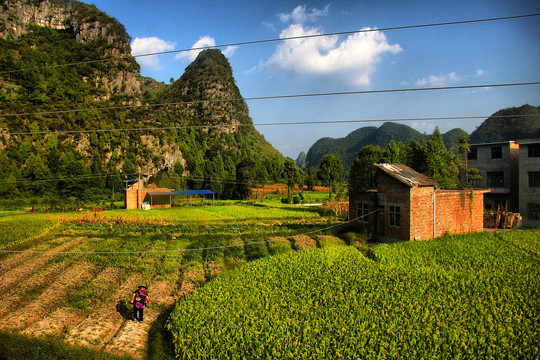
point(352, 60)
point(300, 16)
point(204, 42)
point(423, 126)
point(446, 79)
point(150, 45)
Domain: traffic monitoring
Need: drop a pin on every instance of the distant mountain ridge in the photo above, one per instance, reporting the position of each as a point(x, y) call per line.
point(513, 123)
point(507, 124)
point(348, 147)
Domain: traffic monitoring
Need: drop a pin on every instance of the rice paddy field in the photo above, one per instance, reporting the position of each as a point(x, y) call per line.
point(259, 281)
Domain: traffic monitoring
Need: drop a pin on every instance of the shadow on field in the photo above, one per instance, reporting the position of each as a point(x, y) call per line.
point(123, 310)
point(160, 340)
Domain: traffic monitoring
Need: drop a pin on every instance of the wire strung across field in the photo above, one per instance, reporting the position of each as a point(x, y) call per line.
point(299, 37)
point(272, 97)
point(185, 250)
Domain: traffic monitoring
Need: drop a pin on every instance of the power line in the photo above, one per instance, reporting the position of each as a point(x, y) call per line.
point(271, 124)
point(187, 249)
point(405, 27)
point(272, 97)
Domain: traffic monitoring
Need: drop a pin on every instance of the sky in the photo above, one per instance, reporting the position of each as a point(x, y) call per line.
point(483, 53)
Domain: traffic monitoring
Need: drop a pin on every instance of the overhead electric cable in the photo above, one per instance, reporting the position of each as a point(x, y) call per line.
point(460, 22)
point(269, 124)
point(271, 97)
point(187, 249)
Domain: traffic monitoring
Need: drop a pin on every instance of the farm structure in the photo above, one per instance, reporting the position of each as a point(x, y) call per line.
point(409, 206)
point(137, 195)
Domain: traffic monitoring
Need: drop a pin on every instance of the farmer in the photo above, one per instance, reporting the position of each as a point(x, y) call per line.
point(139, 299)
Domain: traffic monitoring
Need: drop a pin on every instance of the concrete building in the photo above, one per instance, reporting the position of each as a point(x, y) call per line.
point(498, 164)
point(529, 181)
point(409, 206)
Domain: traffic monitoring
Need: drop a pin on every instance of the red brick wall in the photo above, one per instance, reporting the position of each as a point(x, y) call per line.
point(394, 193)
point(421, 213)
point(456, 215)
point(453, 210)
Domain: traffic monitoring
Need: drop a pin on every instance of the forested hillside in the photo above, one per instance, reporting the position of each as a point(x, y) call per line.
point(509, 124)
point(348, 147)
point(74, 131)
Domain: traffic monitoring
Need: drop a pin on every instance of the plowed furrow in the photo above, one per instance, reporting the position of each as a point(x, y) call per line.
point(100, 327)
point(54, 295)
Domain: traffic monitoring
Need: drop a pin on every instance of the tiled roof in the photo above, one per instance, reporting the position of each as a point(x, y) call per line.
point(407, 175)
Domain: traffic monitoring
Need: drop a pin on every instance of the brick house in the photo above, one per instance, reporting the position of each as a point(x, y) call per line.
point(409, 206)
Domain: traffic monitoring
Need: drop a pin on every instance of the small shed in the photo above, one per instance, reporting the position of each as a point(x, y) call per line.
point(160, 198)
point(407, 205)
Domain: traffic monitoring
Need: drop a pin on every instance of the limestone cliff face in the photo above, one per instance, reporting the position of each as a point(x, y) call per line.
point(85, 21)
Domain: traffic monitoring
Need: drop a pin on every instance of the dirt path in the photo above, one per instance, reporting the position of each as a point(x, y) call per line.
point(102, 325)
point(132, 337)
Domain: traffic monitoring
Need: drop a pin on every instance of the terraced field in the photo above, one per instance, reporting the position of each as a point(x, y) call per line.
point(75, 278)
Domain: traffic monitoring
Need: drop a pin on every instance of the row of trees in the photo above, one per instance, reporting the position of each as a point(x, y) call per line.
point(431, 159)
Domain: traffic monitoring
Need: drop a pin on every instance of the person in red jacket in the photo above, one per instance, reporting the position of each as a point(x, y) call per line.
point(139, 299)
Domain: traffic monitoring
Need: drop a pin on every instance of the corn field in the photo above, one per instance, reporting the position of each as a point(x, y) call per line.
point(473, 296)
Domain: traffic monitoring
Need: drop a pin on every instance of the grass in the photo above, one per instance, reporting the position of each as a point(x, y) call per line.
point(19, 347)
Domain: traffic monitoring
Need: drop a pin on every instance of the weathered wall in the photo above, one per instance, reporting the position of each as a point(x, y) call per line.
point(458, 212)
point(425, 212)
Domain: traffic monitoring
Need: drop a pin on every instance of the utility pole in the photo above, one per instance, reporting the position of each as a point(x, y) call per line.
point(139, 191)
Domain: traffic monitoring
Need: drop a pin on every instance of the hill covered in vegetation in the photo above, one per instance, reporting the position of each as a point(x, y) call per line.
point(78, 130)
point(513, 123)
point(507, 124)
point(347, 148)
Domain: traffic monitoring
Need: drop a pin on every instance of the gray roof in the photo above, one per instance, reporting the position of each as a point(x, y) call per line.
point(407, 175)
point(181, 192)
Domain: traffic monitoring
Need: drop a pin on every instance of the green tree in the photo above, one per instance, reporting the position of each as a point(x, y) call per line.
point(363, 173)
point(416, 156)
point(311, 179)
point(291, 175)
point(395, 153)
point(37, 173)
point(441, 165)
point(329, 171)
point(244, 178)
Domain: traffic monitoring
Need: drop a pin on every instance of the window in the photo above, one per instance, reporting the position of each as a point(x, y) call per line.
point(473, 154)
point(395, 216)
point(495, 179)
point(533, 150)
point(362, 210)
point(534, 211)
point(534, 178)
point(496, 152)
point(474, 182)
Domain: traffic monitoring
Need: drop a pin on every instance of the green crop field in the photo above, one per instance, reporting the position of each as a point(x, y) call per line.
point(474, 296)
point(470, 296)
point(73, 284)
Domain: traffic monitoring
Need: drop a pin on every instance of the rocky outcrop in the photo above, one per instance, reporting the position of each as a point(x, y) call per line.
point(86, 22)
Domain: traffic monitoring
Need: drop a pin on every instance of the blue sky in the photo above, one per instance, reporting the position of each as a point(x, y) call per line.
point(505, 51)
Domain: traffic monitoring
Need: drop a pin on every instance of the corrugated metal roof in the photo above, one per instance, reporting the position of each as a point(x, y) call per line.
point(407, 175)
